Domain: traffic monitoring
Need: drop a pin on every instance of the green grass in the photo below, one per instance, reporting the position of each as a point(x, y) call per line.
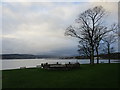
point(97, 76)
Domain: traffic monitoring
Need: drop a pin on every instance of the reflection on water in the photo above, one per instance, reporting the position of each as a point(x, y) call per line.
point(17, 63)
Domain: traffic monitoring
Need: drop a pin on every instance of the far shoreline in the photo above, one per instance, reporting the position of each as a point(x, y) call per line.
point(56, 58)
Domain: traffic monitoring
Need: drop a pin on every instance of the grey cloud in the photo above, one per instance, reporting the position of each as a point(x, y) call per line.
point(38, 28)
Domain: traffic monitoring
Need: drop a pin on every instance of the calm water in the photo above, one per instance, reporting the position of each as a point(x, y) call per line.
point(17, 63)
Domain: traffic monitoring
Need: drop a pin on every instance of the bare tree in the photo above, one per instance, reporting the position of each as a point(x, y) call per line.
point(90, 29)
point(100, 36)
point(108, 41)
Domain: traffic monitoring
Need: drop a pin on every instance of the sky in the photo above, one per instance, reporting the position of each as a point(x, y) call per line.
point(39, 27)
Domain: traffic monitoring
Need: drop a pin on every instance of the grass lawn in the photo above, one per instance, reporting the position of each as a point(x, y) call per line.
point(97, 76)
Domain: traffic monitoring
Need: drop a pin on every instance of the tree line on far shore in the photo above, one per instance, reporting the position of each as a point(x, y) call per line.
point(28, 56)
point(115, 56)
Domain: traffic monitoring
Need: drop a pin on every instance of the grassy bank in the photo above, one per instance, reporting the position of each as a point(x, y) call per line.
point(97, 76)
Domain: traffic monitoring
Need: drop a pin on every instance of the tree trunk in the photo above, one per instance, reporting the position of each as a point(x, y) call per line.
point(108, 53)
point(109, 57)
point(92, 56)
point(92, 59)
point(109, 60)
point(97, 55)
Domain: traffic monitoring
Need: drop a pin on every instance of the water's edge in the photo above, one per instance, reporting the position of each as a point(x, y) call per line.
point(31, 63)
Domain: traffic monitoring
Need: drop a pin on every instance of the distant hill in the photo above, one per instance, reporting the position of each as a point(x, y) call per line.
point(17, 56)
point(24, 56)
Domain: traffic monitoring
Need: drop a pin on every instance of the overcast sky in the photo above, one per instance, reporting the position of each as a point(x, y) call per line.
point(38, 28)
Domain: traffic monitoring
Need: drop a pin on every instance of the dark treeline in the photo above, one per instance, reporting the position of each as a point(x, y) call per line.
point(111, 56)
point(23, 56)
point(101, 56)
point(28, 56)
point(17, 56)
